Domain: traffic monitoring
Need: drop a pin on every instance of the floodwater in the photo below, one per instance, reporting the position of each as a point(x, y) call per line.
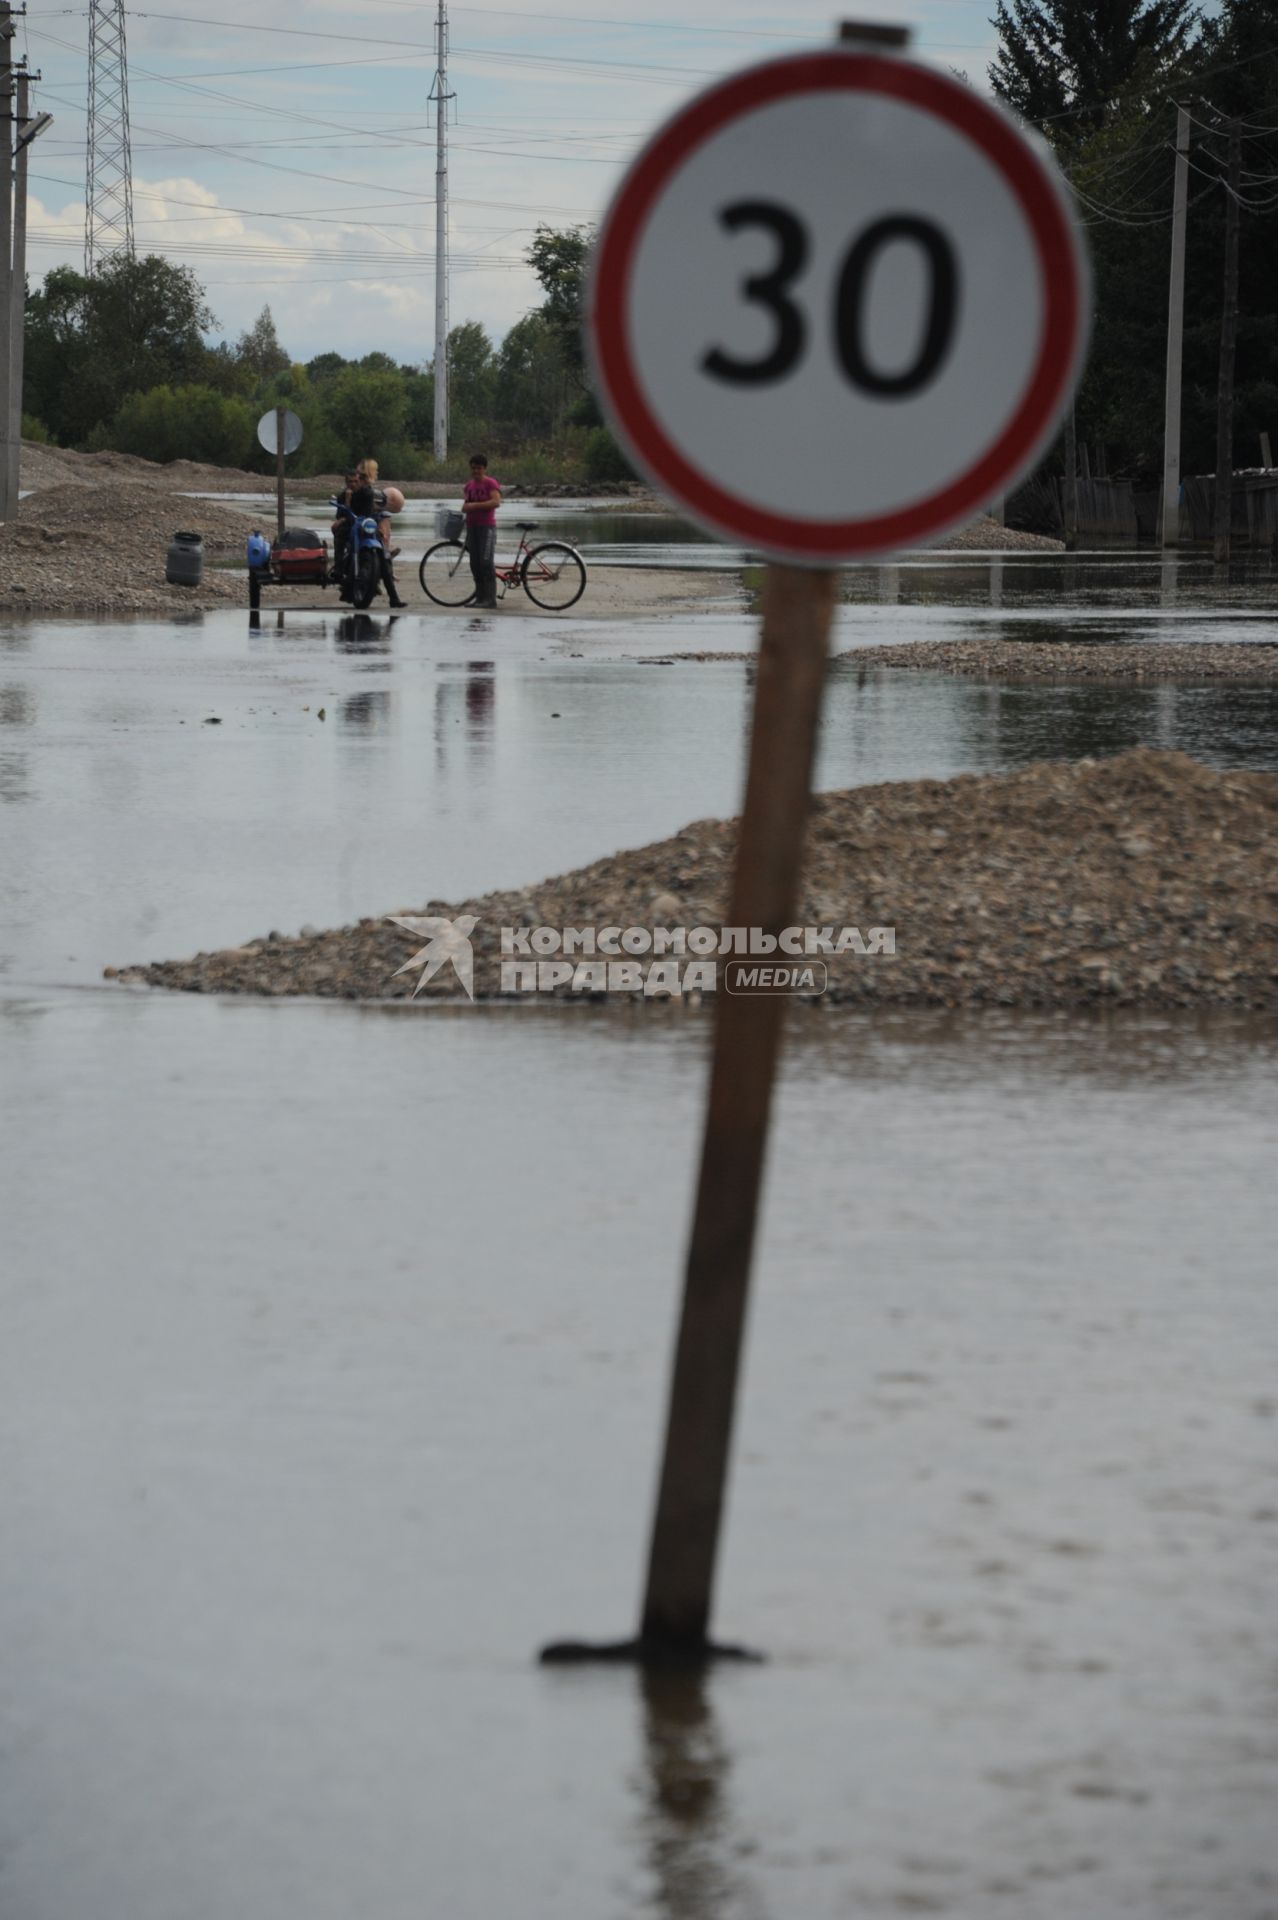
point(335, 1339)
point(457, 754)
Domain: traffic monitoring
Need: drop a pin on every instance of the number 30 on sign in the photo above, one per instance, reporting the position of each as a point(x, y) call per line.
point(838, 305)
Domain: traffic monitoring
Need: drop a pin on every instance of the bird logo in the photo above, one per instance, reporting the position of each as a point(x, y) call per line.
point(446, 940)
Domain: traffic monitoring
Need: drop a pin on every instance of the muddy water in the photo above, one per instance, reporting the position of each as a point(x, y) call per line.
point(334, 1339)
point(455, 755)
point(333, 1364)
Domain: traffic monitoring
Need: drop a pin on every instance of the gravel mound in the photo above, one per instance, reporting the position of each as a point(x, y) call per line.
point(74, 550)
point(1145, 880)
point(987, 534)
point(61, 466)
point(1078, 659)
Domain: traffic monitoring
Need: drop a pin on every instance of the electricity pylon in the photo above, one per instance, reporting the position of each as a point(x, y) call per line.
point(108, 197)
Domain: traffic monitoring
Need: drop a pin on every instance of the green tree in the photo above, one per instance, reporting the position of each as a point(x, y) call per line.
point(533, 388)
point(259, 349)
point(472, 375)
point(366, 411)
point(1066, 64)
point(135, 324)
point(559, 258)
point(419, 388)
point(326, 366)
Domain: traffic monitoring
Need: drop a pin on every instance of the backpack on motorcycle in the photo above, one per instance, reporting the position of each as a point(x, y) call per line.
point(300, 554)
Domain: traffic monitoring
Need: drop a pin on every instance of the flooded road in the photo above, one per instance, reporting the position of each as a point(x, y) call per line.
point(456, 754)
point(334, 1360)
point(335, 1338)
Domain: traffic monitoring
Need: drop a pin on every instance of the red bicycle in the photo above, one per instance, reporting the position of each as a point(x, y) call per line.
point(552, 574)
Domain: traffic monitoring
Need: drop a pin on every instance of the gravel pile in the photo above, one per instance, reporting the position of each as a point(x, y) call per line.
point(986, 534)
point(1145, 880)
point(1078, 659)
point(44, 467)
point(75, 550)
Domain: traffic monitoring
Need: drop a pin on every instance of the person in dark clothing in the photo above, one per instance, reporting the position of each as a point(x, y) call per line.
point(342, 526)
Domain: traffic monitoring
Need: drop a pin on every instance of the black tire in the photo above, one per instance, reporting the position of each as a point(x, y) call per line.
point(445, 574)
point(367, 574)
point(554, 575)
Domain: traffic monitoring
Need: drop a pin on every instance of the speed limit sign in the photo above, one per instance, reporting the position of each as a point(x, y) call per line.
point(838, 304)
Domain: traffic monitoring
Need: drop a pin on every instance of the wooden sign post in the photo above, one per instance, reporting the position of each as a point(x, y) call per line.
point(838, 305)
point(279, 469)
point(793, 649)
point(279, 432)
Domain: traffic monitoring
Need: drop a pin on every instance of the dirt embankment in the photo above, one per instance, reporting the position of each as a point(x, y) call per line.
point(1145, 880)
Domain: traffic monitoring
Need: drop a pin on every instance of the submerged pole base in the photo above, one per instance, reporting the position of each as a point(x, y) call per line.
point(644, 1651)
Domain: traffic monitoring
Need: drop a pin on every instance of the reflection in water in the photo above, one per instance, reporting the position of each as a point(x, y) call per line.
point(17, 707)
point(361, 633)
point(1168, 580)
point(14, 777)
point(686, 1823)
point(366, 712)
point(481, 698)
point(881, 724)
point(466, 697)
point(1135, 578)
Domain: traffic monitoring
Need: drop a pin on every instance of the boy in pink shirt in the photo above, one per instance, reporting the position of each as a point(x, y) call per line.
point(481, 497)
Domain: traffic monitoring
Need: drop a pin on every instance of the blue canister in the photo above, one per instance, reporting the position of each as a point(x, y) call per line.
point(258, 552)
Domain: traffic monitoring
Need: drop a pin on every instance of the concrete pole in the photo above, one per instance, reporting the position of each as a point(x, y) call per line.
point(1224, 501)
point(8, 497)
point(442, 98)
point(1175, 337)
point(18, 298)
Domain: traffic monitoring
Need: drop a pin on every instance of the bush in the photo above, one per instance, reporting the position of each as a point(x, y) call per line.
point(367, 411)
point(604, 458)
point(182, 423)
point(33, 429)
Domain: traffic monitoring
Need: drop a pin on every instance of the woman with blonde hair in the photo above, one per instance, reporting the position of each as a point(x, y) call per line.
point(368, 471)
point(367, 500)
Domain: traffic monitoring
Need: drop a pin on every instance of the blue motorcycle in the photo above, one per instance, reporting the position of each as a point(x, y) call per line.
point(361, 565)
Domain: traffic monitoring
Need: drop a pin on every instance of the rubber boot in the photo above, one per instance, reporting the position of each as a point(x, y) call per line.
point(388, 581)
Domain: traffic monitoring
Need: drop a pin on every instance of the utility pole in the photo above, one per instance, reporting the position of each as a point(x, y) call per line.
point(1224, 501)
point(1175, 337)
point(27, 130)
point(20, 130)
point(8, 495)
point(441, 96)
point(1071, 482)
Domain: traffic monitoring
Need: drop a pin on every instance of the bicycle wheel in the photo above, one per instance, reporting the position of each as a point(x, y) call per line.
point(554, 575)
point(445, 575)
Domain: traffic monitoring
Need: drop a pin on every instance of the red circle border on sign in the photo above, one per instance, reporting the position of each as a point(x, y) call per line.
point(1063, 273)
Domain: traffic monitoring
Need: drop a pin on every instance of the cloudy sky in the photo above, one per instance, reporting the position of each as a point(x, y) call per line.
point(287, 153)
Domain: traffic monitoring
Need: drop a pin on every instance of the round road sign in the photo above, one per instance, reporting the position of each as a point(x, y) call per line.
point(837, 306)
point(267, 432)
